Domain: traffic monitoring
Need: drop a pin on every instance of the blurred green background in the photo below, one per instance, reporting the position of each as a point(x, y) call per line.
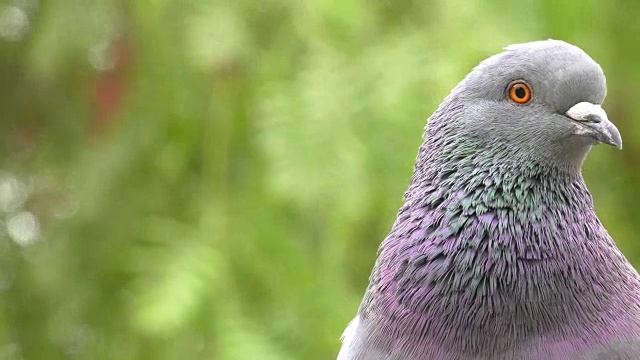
point(211, 179)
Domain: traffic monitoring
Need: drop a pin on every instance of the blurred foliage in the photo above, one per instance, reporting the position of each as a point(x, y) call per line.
point(211, 179)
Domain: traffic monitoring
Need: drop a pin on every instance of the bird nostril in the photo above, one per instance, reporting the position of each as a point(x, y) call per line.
point(593, 118)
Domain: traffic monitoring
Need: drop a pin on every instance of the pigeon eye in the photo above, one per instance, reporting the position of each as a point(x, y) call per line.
point(520, 92)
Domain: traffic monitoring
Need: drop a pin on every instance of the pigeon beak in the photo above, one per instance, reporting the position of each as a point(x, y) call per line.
point(595, 123)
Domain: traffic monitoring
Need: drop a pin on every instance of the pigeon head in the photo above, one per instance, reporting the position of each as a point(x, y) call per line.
point(538, 101)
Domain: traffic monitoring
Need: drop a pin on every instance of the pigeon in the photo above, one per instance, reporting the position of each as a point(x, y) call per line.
point(497, 252)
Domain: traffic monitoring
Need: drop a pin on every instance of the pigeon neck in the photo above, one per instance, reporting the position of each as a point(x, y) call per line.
point(490, 249)
point(507, 214)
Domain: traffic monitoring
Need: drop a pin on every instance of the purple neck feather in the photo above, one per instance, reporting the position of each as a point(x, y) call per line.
point(488, 255)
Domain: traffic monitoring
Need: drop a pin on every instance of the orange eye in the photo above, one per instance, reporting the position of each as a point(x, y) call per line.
point(519, 92)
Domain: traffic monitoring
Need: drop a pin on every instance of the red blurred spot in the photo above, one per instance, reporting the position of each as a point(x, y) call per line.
point(111, 88)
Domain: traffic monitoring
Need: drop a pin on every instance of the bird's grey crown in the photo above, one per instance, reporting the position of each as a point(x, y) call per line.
point(560, 74)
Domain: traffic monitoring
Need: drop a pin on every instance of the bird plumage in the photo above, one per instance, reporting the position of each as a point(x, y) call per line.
point(497, 252)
